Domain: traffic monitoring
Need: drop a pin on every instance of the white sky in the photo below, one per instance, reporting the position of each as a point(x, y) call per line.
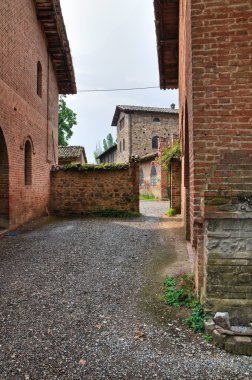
point(113, 45)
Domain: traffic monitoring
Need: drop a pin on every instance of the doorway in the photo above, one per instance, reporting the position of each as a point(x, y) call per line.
point(4, 183)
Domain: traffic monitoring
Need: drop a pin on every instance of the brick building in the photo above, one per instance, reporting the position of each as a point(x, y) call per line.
point(204, 49)
point(35, 66)
point(70, 154)
point(139, 130)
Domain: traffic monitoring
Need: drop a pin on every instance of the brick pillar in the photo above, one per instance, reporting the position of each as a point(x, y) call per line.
point(176, 186)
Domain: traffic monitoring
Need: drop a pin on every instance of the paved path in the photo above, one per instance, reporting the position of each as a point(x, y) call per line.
point(81, 299)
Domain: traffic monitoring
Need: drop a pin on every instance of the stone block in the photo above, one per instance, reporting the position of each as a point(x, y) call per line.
point(209, 326)
point(239, 345)
point(218, 338)
point(222, 319)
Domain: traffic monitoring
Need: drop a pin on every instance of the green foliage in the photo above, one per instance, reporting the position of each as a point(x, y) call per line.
point(105, 145)
point(207, 338)
point(110, 140)
point(92, 167)
point(116, 214)
point(196, 319)
point(179, 290)
point(97, 153)
point(67, 119)
point(147, 197)
point(168, 154)
point(170, 212)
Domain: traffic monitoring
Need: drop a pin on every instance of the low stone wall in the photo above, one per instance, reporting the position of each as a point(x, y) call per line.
point(86, 189)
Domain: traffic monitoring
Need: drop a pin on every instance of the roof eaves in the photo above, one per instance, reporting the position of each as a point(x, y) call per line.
point(167, 33)
point(50, 15)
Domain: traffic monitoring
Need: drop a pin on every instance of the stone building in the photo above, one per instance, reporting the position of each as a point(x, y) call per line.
point(70, 154)
point(204, 49)
point(139, 130)
point(35, 66)
point(109, 155)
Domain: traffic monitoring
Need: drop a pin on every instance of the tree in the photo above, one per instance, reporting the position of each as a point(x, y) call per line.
point(97, 152)
point(105, 145)
point(67, 119)
point(110, 140)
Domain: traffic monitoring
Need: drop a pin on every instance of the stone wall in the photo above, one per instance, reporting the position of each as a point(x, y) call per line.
point(86, 191)
point(228, 257)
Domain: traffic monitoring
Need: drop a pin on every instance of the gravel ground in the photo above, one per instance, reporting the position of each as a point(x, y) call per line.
point(80, 299)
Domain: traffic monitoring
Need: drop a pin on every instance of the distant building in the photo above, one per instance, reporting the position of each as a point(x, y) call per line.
point(139, 129)
point(109, 155)
point(139, 132)
point(69, 154)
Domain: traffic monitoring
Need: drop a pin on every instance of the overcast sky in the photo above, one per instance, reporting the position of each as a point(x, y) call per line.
point(113, 45)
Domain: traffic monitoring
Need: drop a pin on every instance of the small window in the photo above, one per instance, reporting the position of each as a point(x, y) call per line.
point(120, 146)
point(123, 144)
point(141, 177)
point(155, 142)
point(121, 123)
point(28, 163)
point(153, 176)
point(39, 79)
point(156, 120)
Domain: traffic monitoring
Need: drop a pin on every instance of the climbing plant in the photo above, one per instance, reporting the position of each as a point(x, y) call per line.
point(169, 153)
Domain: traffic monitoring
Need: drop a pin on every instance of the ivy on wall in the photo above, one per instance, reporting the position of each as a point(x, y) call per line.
point(92, 167)
point(168, 154)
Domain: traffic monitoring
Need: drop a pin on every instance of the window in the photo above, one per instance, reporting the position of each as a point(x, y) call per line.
point(121, 123)
point(155, 142)
point(28, 163)
point(123, 144)
point(153, 176)
point(141, 177)
point(156, 120)
point(120, 146)
point(39, 79)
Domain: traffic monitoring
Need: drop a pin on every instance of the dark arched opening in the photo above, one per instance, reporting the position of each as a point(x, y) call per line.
point(4, 183)
point(28, 163)
point(154, 142)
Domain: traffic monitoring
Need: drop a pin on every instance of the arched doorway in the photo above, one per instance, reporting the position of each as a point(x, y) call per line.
point(4, 183)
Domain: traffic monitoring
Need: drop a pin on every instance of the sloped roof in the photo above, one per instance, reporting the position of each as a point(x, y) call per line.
point(71, 152)
point(132, 109)
point(50, 15)
point(167, 32)
point(110, 149)
point(149, 157)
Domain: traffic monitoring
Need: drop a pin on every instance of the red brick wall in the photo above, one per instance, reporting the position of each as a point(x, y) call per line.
point(80, 192)
point(216, 80)
point(24, 114)
point(176, 185)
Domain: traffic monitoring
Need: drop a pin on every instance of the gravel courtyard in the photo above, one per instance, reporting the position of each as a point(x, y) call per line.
point(81, 299)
